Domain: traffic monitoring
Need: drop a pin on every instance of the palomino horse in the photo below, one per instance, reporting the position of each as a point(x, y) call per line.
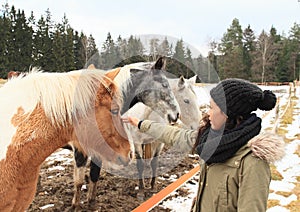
point(139, 82)
point(42, 112)
point(148, 150)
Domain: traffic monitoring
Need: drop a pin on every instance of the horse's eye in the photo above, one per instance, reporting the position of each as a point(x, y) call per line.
point(186, 101)
point(114, 111)
point(165, 85)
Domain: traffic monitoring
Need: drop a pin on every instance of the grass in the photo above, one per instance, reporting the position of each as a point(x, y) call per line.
point(272, 203)
point(295, 205)
point(288, 116)
point(297, 152)
point(275, 175)
point(284, 193)
point(286, 119)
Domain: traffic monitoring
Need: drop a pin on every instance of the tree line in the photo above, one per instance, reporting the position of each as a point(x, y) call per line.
point(56, 47)
point(268, 56)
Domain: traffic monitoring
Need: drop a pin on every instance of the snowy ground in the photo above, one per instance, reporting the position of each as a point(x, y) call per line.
point(289, 166)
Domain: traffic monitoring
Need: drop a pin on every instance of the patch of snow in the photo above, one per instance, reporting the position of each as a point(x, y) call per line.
point(283, 200)
point(278, 209)
point(60, 168)
point(47, 206)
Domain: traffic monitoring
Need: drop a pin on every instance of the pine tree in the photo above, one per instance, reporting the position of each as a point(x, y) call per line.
point(135, 47)
point(42, 52)
point(231, 48)
point(179, 53)
point(68, 45)
point(23, 40)
point(122, 50)
point(59, 63)
point(189, 66)
point(154, 52)
point(248, 50)
point(177, 65)
point(79, 50)
point(294, 40)
point(109, 53)
point(12, 55)
point(164, 48)
point(4, 36)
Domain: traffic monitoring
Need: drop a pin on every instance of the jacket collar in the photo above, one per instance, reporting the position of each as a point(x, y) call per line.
point(265, 146)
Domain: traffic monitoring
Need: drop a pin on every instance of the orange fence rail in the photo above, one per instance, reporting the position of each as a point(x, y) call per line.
point(160, 196)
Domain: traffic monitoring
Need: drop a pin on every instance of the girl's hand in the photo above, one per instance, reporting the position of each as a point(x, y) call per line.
point(131, 120)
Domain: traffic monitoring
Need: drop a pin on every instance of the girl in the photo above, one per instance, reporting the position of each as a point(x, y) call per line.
point(235, 173)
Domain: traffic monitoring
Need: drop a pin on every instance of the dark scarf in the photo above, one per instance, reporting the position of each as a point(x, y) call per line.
point(218, 146)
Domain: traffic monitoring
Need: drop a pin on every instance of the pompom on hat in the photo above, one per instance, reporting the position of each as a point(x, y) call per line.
point(237, 97)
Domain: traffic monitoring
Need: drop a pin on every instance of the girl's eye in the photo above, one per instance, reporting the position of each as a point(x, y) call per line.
point(114, 111)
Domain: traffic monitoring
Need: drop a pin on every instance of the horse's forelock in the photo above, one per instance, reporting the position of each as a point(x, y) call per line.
point(113, 90)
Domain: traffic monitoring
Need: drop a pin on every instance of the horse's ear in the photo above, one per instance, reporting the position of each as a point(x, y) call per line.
point(181, 82)
point(91, 67)
point(193, 79)
point(112, 74)
point(160, 64)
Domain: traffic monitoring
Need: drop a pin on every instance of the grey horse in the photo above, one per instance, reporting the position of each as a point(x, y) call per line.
point(147, 149)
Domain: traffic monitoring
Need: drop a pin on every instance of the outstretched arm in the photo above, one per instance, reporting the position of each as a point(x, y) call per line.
point(184, 139)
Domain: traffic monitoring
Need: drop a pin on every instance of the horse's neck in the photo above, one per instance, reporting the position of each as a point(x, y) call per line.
point(129, 90)
point(129, 100)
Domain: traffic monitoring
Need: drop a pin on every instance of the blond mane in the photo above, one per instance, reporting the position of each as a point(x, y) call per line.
point(64, 96)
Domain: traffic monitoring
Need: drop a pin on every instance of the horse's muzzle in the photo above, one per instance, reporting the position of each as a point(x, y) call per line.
point(173, 120)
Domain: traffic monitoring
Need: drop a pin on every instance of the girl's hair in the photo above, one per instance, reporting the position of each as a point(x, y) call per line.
point(205, 124)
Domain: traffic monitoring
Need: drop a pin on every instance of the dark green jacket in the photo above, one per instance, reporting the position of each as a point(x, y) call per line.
point(239, 184)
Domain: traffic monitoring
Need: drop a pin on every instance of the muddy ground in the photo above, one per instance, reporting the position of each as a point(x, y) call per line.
point(114, 193)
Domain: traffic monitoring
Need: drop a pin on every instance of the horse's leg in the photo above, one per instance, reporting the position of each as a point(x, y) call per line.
point(79, 173)
point(140, 164)
point(157, 148)
point(154, 163)
point(140, 167)
point(94, 177)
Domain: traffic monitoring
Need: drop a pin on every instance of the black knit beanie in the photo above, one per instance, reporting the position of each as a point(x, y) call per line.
point(237, 97)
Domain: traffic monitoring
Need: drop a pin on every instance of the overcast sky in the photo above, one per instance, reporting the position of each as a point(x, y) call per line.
point(195, 21)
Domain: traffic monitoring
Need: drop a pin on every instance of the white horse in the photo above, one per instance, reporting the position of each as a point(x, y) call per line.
point(146, 148)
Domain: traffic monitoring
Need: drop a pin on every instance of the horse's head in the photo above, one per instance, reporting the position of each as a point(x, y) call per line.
point(187, 100)
point(105, 138)
point(153, 89)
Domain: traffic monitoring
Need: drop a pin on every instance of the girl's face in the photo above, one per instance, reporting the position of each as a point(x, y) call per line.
point(216, 116)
